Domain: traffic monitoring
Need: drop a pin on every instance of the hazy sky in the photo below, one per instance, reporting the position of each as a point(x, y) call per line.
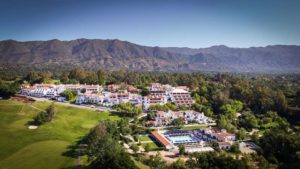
point(181, 23)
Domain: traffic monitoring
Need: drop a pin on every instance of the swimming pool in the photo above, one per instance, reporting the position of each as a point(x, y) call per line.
point(181, 139)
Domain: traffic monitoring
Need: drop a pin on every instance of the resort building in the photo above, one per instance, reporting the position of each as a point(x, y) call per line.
point(183, 88)
point(91, 88)
point(89, 98)
point(173, 138)
point(181, 97)
point(113, 87)
point(152, 100)
point(41, 90)
point(121, 97)
point(219, 135)
point(26, 90)
point(188, 116)
point(55, 91)
point(224, 145)
point(135, 99)
point(132, 89)
point(86, 88)
point(73, 87)
point(193, 141)
point(159, 138)
point(157, 89)
point(111, 99)
point(123, 86)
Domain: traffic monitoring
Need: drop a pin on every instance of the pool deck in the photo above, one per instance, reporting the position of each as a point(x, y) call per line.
point(180, 139)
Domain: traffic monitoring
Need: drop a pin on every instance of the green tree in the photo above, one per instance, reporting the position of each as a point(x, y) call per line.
point(123, 126)
point(64, 78)
point(181, 149)
point(102, 76)
point(178, 122)
point(51, 111)
point(8, 89)
point(33, 77)
point(178, 164)
point(150, 115)
point(216, 161)
point(78, 74)
point(231, 109)
point(69, 94)
point(135, 148)
point(196, 97)
point(45, 77)
point(40, 118)
point(228, 111)
point(241, 134)
point(171, 106)
point(281, 147)
point(236, 105)
point(235, 148)
point(224, 123)
point(147, 147)
point(144, 91)
point(156, 162)
point(91, 78)
point(248, 121)
point(127, 109)
point(108, 154)
point(104, 151)
point(157, 107)
point(46, 116)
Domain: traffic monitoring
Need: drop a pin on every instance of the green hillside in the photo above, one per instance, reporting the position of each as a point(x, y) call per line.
point(43, 147)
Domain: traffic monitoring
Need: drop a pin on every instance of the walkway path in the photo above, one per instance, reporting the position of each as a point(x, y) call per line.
point(37, 108)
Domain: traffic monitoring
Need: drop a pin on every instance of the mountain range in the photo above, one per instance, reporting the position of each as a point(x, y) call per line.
point(116, 54)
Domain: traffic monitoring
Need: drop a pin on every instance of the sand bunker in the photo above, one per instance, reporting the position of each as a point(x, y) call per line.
point(32, 127)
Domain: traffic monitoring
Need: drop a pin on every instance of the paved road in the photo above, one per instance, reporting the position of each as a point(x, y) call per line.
point(187, 125)
point(75, 105)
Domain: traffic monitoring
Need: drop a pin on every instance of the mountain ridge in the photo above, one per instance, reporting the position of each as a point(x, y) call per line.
point(114, 54)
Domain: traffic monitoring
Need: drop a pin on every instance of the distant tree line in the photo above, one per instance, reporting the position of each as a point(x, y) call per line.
point(9, 88)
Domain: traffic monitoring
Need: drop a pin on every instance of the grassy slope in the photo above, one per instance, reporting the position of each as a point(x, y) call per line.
point(139, 164)
point(43, 147)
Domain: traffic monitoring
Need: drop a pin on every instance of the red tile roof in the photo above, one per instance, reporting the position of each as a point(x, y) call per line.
point(160, 138)
point(220, 135)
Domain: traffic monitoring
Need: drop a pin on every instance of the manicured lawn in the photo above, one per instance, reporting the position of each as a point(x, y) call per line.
point(144, 138)
point(194, 127)
point(147, 140)
point(44, 154)
point(153, 146)
point(42, 147)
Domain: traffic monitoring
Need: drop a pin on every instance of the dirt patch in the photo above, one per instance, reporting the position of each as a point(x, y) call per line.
point(168, 156)
point(22, 98)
